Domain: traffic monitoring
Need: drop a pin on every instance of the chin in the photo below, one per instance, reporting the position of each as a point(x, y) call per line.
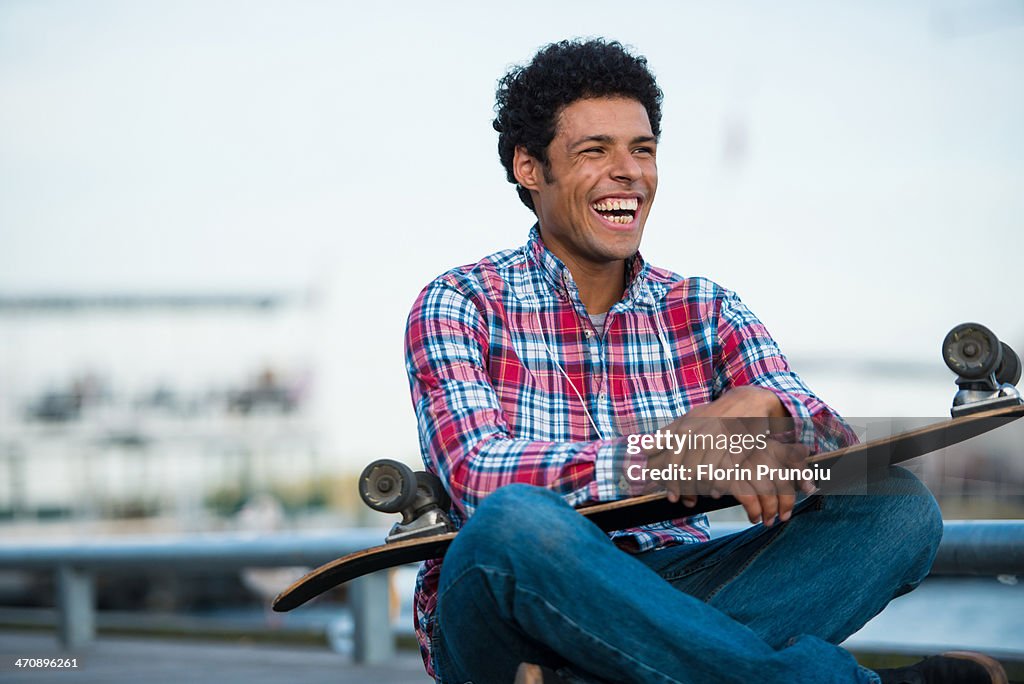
point(620, 253)
point(623, 246)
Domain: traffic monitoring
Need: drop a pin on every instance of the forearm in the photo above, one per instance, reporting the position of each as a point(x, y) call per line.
point(475, 454)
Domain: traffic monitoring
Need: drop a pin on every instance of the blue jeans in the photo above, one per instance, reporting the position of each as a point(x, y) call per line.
point(530, 580)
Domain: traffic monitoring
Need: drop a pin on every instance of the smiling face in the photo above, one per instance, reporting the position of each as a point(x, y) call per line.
point(593, 199)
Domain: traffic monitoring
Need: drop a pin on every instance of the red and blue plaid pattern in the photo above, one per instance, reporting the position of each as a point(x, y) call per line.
point(504, 365)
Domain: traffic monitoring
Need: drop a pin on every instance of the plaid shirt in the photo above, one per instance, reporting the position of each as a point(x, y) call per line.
point(484, 344)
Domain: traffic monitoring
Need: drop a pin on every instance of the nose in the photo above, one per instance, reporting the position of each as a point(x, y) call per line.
point(624, 167)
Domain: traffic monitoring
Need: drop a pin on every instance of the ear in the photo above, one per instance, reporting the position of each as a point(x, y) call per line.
point(526, 169)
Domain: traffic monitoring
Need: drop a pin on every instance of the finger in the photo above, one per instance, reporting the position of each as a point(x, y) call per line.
point(785, 488)
point(689, 501)
point(746, 496)
point(808, 487)
point(786, 503)
point(752, 505)
point(718, 460)
point(693, 485)
point(781, 492)
point(676, 490)
point(796, 456)
point(786, 497)
point(728, 463)
point(769, 508)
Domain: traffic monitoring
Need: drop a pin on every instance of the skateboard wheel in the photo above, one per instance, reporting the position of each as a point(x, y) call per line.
point(972, 351)
point(387, 486)
point(1009, 370)
point(431, 486)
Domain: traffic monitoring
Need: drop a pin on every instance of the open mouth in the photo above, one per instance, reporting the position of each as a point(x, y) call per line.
point(618, 210)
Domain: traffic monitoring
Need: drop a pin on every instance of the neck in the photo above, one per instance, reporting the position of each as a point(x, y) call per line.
point(600, 285)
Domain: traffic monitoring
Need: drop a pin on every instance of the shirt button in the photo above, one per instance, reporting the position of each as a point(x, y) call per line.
point(602, 395)
point(588, 332)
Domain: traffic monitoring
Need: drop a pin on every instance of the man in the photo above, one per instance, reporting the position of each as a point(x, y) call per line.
point(534, 371)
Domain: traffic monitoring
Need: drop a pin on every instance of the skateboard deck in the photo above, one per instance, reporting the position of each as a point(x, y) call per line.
point(873, 456)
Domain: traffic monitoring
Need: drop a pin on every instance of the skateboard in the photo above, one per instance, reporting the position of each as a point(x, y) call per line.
point(987, 371)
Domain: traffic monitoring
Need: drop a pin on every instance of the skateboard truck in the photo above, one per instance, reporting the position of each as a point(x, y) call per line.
point(389, 486)
point(987, 369)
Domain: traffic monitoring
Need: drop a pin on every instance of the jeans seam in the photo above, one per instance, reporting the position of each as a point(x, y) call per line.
point(817, 505)
point(436, 649)
point(622, 654)
point(669, 577)
point(754, 556)
point(486, 569)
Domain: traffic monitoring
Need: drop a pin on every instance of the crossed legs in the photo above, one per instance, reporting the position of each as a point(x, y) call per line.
point(528, 579)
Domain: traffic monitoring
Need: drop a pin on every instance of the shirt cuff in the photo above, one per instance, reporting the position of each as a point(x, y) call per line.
point(803, 424)
point(611, 470)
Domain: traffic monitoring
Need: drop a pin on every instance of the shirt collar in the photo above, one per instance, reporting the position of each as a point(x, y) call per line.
point(559, 277)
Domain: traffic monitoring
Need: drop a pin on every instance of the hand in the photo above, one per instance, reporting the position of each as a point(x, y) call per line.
point(744, 418)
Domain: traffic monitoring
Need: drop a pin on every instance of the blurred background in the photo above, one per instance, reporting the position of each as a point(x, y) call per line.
point(214, 217)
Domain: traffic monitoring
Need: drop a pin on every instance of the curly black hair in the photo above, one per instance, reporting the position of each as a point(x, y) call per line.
point(530, 98)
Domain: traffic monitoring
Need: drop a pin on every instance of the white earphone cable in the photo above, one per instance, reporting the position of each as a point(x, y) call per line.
point(565, 375)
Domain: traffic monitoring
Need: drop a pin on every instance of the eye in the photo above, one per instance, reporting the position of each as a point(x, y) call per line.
point(644, 150)
point(593, 150)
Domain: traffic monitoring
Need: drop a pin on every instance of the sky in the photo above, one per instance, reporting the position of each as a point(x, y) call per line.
point(854, 170)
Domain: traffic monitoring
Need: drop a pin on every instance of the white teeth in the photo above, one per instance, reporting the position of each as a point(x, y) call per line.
point(618, 204)
point(630, 204)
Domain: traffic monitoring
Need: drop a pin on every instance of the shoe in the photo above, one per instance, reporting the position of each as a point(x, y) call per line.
point(528, 673)
point(954, 667)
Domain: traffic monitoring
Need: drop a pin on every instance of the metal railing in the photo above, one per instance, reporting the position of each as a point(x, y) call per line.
point(969, 547)
point(981, 547)
point(75, 565)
